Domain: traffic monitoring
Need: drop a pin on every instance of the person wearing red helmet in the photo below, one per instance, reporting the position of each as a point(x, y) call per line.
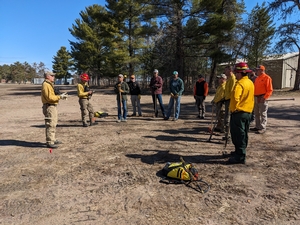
point(84, 94)
point(241, 107)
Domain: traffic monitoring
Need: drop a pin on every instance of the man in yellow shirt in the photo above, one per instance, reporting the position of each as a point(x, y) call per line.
point(241, 106)
point(230, 82)
point(50, 101)
point(218, 101)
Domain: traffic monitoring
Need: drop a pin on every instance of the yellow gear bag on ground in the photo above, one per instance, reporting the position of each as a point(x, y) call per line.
point(180, 171)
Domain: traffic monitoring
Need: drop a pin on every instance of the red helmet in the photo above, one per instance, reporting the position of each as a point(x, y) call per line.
point(84, 77)
point(242, 67)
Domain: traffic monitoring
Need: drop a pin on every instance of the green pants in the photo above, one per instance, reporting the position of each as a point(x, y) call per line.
point(239, 126)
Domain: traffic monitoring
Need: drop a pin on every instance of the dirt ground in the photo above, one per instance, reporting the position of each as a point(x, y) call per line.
point(109, 173)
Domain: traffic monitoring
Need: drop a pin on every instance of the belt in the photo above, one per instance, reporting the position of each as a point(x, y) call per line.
point(47, 104)
point(237, 111)
point(259, 95)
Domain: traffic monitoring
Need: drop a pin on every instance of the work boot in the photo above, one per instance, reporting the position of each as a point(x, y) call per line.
point(57, 142)
point(51, 145)
point(234, 160)
point(85, 125)
point(156, 114)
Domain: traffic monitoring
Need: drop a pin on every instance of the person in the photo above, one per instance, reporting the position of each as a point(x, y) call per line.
point(176, 88)
point(252, 77)
point(230, 83)
point(241, 106)
point(262, 92)
point(121, 89)
point(50, 101)
point(200, 93)
point(135, 97)
point(84, 94)
point(155, 85)
point(218, 102)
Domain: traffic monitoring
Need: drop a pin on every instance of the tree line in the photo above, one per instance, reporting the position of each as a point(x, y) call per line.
point(190, 36)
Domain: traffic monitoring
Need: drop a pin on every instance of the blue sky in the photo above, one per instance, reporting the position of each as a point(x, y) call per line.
point(34, 30)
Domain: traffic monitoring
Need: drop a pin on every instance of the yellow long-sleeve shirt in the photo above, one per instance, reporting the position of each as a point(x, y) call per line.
point(229, 86)
point(80, 90)
point(220, 93)
point(263, 86)
point(242, 96)
point(48, 96)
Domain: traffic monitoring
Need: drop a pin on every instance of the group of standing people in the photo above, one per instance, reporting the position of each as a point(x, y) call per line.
point(122, 89)
point(242, 96)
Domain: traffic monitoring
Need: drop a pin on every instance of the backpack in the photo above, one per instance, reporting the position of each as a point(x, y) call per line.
point(180, 171)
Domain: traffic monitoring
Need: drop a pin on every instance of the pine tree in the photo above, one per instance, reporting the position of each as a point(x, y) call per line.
point(62, 64)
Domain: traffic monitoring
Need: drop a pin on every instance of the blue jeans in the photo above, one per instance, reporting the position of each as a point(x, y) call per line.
point(177, 107)
point(159, 97)
point(124, 104)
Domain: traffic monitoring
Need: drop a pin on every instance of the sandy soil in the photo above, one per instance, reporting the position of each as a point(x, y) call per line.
point(109, 173)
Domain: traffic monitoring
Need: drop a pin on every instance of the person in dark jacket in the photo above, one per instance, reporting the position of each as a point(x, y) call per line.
point(155, 85)
point(200, 93)
point(135, 97)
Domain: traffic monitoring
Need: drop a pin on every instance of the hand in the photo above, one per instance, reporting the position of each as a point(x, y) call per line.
point(64, 96)
point(139, 97)
point(119, 85)
point(90, 92)
point(120, 90)
point(176, 96)
point(172, 95)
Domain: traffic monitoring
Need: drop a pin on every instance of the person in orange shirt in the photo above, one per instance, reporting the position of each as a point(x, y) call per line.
point(200, 93)
point(263, 89)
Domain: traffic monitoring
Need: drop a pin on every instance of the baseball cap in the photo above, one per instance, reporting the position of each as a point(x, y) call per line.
point(49, 73)
point(175, 73)
point(260, 67)
point(222, 76)
point(155, 71)
point(120, 75)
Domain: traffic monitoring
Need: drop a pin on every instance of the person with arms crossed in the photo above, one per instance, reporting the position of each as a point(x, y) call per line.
point(135, 95)
point(200, 93)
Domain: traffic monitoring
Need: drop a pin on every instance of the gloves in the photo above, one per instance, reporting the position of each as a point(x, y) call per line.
point(119, 85)
point(120, 90)
point(64, 96)
point(139, 96)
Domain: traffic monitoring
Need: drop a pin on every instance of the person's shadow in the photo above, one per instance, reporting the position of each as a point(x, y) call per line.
point(22, 143)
